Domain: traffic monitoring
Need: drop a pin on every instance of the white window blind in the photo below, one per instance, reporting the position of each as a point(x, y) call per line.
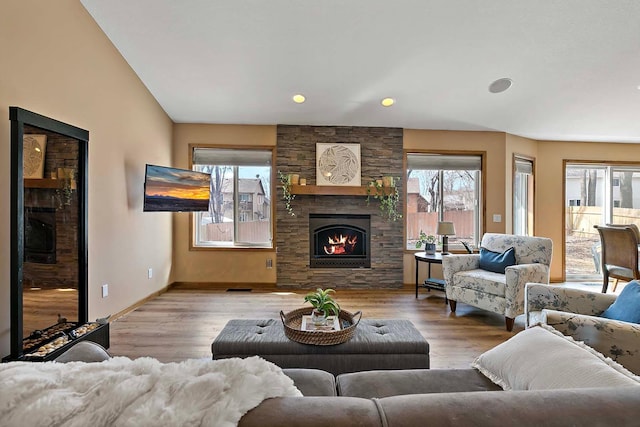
point(524, 166)
point(231, 157)
point(443, 162)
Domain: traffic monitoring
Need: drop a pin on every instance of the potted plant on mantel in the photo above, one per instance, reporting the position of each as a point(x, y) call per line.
point(387, 194)
point(323, 305)
point(429, 242)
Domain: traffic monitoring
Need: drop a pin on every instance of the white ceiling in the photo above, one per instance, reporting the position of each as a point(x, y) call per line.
point(575, 64)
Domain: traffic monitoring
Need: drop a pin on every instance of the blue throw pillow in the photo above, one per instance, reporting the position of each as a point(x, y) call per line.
point(627, 306)
point(496, 261)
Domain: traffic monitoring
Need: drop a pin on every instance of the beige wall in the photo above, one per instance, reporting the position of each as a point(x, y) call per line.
point(550, 188)
point(493, 143)
point(219, 265)
point(57, 62)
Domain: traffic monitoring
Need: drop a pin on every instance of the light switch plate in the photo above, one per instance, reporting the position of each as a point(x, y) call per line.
point(105, 290)
point(497, 218)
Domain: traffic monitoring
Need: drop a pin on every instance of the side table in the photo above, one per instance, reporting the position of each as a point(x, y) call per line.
point(430, 282)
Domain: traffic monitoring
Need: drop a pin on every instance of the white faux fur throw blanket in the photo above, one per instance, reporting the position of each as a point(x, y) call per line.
point(140, 392)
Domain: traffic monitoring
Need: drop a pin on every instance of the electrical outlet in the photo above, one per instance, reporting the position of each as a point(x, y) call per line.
point(497, 218)
point(105, 290)
point(150, 273)
point(269, 263)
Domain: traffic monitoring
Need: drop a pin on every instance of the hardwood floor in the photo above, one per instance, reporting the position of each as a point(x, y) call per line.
point(41, 308)
point(182, 323)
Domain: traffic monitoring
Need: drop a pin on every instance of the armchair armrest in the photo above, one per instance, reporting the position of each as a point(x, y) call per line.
point(615, 339)
point(516, 277)
point(539, 297)
point(451, 264)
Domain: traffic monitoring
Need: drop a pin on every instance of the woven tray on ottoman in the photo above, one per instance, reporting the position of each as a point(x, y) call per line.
point(376, 344)
point(292, 322)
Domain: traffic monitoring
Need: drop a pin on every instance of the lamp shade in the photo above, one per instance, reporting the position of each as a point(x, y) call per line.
point(446, 228)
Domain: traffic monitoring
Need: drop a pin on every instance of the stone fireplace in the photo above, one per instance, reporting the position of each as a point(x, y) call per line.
point(297, 266)
point(339, 241)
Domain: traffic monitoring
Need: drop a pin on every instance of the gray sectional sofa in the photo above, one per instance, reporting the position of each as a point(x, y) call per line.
point(601, 394)
point(444, 398)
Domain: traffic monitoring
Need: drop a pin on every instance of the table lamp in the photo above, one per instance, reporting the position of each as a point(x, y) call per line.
point(445, 229)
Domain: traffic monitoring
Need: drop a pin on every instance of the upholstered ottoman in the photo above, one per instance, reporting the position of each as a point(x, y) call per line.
point(376, 344)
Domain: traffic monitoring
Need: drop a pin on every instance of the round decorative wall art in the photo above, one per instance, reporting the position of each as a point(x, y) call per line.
point(33, 152)
point(338, 164)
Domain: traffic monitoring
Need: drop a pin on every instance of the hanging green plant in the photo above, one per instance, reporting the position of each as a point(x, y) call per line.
point(388, 197)
point(65, 192)
point(285, 180)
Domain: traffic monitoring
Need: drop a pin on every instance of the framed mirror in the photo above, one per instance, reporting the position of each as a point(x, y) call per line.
point(48, 228)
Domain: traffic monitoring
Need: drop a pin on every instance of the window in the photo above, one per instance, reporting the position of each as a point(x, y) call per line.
point(523, 197)
point(239, 212)
point(443, 188)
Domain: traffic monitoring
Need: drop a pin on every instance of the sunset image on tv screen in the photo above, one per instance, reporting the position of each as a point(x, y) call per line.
point(171, 189)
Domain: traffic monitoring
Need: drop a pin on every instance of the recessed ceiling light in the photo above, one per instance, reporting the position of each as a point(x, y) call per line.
point(500, 85)
point(387, 102)
point(299, 98)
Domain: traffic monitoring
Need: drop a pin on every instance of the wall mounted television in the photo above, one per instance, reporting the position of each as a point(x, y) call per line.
point(175, 190)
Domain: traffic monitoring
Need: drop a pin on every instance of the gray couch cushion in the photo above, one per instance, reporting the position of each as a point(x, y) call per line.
point(312, 382)
point(412, 381)
point(313, 412)
point(84, 351)
point(601, 407)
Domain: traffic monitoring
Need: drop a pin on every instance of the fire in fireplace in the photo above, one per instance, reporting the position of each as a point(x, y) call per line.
point(339, 241)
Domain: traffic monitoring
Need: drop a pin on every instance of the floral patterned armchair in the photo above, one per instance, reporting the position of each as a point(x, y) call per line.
point(496, 292)
point(574, 312)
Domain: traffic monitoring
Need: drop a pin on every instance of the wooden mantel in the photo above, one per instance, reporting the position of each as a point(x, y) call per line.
point(43, 183)
point(335, 190)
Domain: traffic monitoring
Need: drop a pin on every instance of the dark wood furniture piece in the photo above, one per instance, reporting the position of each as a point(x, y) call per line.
point(619, 253)
point(64, 198)
point(430, 282)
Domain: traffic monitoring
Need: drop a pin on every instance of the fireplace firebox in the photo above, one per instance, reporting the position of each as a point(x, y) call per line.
point(40, 235)
point(339, 241)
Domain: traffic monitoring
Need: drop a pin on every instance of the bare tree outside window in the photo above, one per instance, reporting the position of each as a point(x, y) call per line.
point(216, 201)
point(450, 193)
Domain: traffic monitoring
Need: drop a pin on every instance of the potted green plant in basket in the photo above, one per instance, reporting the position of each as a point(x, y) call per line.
point(323, 305)
point(429, 242)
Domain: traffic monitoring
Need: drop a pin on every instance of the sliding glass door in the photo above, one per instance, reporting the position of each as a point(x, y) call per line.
point(596, 194)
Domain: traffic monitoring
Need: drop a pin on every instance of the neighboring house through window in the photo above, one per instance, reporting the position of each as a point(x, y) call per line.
point(240, 209)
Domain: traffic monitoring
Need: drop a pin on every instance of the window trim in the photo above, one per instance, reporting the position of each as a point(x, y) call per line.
point(272, 189)
point(482, 222)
